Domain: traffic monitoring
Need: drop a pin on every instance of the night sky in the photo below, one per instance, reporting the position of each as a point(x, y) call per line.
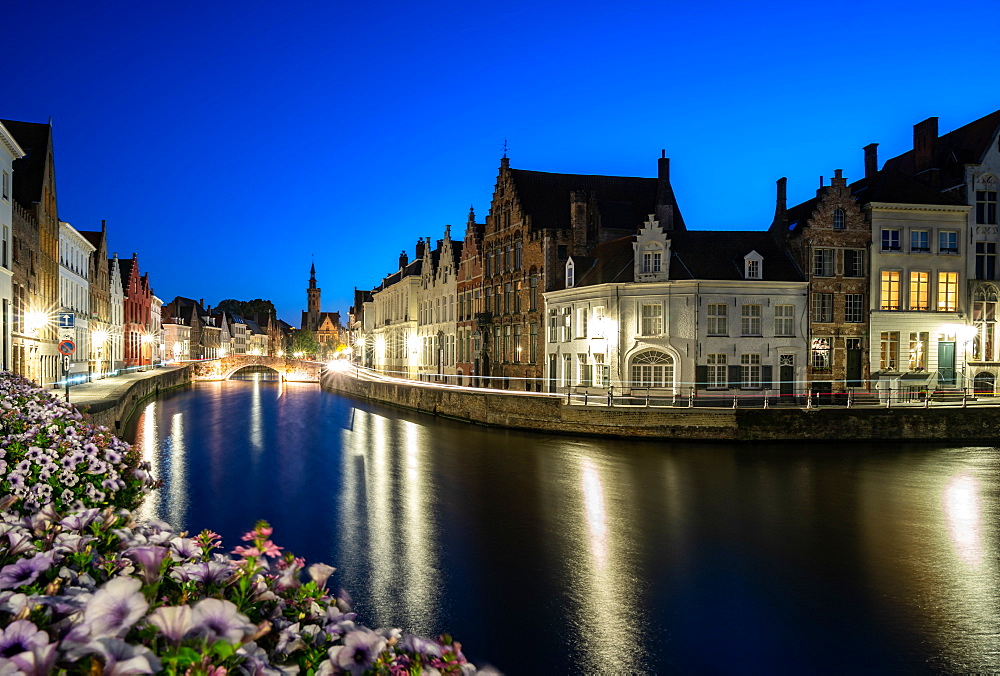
point(228, 143)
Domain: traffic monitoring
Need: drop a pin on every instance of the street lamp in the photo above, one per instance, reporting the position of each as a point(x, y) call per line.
point(147, 339)
point(99, 338)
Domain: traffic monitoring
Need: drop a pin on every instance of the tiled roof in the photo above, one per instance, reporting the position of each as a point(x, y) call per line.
point(93, 236)
point(889, 185)
point(624, 201)
point(29, 171)
point(705, 254)
point(965, 145)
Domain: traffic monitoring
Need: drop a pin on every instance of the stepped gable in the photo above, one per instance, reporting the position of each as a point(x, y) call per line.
point(624, 201)
point(891, 186)
point(951, 152)
point(33, 137)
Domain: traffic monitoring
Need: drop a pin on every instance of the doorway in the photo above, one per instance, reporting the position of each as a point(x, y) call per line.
point(946, 364)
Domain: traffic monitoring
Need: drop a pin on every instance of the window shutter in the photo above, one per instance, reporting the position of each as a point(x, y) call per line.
point(701, 377)
point(765, 377)
point(734, 376)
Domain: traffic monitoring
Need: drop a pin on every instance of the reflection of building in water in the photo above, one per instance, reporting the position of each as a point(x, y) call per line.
point(387, 524)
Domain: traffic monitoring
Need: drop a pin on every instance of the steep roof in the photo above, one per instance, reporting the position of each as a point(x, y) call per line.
point(29, 171)
point(965, 145)
point(703, 254)
point(624, 201)
point(889, 185)
point(93, 236)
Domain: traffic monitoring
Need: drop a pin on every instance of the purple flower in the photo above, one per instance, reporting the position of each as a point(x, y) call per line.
point(360, 650)
point(40, 661)
point(320, 573)
point(208, 572)
point(150, 559)
point(24, 571)
point(420, 646)
point(220, 620)
point(115, 607)
point(19, 636)
point(123, 658)
point(20, 543)
point(184, 548)
point(172, 621)
point(80, 520)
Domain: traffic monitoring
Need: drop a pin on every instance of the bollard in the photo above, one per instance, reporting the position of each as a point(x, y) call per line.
point(809, 401)
point(765, 401)
point(647, 398)
point(964, 398)
point(888, 400)
point(691, 399)
point(585, 396)
point(735, 400)
point(927, 399)
point(850, 398)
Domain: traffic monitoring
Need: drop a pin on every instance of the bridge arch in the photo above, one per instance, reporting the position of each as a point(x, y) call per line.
point(287, 369)
point(255, 372)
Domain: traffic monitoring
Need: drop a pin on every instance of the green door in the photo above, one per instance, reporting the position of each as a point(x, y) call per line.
point(946, 364)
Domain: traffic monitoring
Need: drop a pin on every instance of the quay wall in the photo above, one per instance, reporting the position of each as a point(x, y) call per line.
point(114, 410)
point(551, 414)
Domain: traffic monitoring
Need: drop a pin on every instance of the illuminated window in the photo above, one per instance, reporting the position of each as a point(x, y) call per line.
point(889, 355)
point(918, 351)
point(920, 297)
point(984, 318)
point(819, 354)
point(652, 259)
point(889, 290)
point(586, 371)
point(947, 292)
point(652, 319)
point(603, 371)
point(567, 324)
point(581, 322)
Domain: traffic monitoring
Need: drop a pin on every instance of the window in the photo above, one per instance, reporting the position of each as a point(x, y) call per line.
point(567, 370)
point(984, 317)
point(597, 331)
point(508, 297)
point(889, 355)
point(986, 260)
point(890, 239)
point(533, 293)
point(586, 371)
point(986, 205)
point(652, 369)
point(838, 219)
point(854, 308)
point(890, 290)
point(753, 269)
point(561, 252)
point(920, 297)
point(652, 260)
point(517, 297)
point(652, 319)
point(822, 307)
point(819, 355)
point(517, 255)
point(603, 371)
point(516, 347)
point(784, 320)
point(717, 324)
point(581, 322)
point(750, 320)
point(918, 351)
point(567, 324)
point(750, 371)
point(947, 292)
point(6, 185)
point(854, 263)
point(532, 343)
point(489, 299)
point(569, 275)
point(507, 347)
point(920, 241)
point(948, 242)
point(716, 371)
point(553, 326)
point(497, 299)
point(823, 262)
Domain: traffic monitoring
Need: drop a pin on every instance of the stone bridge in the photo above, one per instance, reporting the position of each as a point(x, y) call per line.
point(297, 370)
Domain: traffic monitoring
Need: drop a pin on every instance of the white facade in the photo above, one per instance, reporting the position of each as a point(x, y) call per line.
point(918, 328)
point(9, 151)
point(237, 334)
point(158, 345)
point(116, 339)
point(391, 326)
point(436, 322)
point(677, 337)
point(74, 294)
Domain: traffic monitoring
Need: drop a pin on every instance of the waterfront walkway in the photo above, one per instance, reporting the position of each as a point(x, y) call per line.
point(109, 389)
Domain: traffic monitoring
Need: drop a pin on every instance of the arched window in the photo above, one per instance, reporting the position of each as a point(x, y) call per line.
point(838, 219)
point(652, 368)
point(984, 383)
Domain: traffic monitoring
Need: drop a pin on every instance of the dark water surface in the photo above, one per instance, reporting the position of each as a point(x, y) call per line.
point(556, 554)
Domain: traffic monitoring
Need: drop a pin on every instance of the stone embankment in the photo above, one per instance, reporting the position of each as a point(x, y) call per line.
point(112, 401)
point(545, 413)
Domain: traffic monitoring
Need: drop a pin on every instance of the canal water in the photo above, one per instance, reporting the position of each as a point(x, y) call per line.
point(557, 554)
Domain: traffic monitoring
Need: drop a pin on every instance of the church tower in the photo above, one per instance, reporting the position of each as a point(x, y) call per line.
point(312, 314)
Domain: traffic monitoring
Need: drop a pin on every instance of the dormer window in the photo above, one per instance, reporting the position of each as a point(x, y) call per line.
point(652, 259)
point(569, 274)
point(753, 266)
point(838, 219)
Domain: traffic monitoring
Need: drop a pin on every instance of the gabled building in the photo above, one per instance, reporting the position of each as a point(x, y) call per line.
point(436, 308)
point(137, 299)
point(829, 238)
point(679, 314)
point(116, 325)
point(9, 151)
point(964, 164)
point(538, 220)
point(390, 319)
point(36, 226)
point(469, 288)
point(100, 302)
point(75, 252)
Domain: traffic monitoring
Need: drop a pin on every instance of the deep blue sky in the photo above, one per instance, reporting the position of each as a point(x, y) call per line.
point(227, 142)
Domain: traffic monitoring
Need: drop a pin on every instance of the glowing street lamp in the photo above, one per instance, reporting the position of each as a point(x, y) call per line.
point(147, 339)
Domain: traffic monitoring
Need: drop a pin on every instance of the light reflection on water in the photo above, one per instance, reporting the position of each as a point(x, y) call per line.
point(549, 554)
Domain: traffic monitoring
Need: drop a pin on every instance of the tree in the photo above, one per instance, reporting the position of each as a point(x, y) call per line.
point(306, 343)
point(247, 308)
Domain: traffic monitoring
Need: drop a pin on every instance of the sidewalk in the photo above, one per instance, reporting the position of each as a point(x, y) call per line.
point(108, 389)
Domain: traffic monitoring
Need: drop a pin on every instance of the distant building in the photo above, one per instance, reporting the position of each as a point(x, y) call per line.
point(9, 151)
point(100, 302)
point(75, 252)
point(325, 326)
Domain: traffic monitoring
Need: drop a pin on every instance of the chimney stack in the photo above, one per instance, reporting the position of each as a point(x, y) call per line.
point(838, 180)
point(925, 136)
point(781, 199)
point(664, 193)
point(871, 159)
point(403, 260)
